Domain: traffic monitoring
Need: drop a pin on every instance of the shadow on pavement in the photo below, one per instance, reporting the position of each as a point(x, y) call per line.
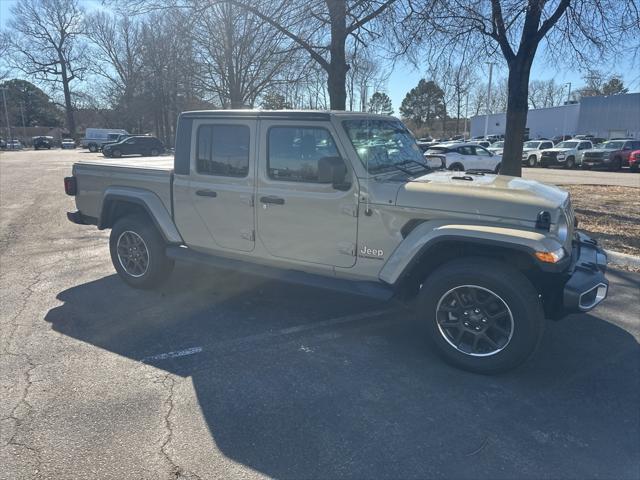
point(369, 398)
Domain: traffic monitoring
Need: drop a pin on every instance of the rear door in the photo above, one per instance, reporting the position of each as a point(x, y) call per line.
point(298, 217)
point(215, 203)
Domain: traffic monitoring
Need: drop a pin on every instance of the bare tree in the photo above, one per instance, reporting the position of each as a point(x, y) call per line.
point(118, 50)
point(515, 29)
point(46, 43)
point(239, 55)
point(322, 28)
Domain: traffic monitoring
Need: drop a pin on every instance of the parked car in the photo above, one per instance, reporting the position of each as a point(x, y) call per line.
point(14, 145)
point(95, 137)
point(634, 161)
point(466, 156)
point(3, 144)
point(496, 148)
point(612, 155)
point(484, 259)
point(115, 138)
point(68, 143)
point(483, 143)
point(42, 142)
point(532, 150)
point(567, 154)
point(134, 145)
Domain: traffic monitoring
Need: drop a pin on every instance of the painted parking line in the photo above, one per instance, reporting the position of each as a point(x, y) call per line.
point(271, 334)
point(178, 353)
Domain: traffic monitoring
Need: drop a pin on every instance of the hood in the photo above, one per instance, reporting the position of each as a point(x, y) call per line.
point(491, 195)
point(559, 150)
point(601, 150)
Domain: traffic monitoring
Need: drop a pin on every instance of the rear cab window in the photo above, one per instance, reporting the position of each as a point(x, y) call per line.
point(222, 150)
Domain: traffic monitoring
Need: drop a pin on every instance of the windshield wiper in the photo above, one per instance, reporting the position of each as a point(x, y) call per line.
point(391, 165)
point(423, 165)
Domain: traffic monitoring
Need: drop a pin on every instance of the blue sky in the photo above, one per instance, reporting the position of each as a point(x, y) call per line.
point(404, 77)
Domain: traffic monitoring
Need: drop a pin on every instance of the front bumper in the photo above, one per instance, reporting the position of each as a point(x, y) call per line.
point(587, 285)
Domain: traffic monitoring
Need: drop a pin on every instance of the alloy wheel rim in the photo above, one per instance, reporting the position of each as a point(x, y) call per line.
point(133, 254)
point(474, 320)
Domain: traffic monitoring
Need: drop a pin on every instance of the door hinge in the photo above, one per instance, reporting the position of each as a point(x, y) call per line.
point(347, 248)
point(248, 235)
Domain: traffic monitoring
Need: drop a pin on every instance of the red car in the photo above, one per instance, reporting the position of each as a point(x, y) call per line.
point(634, 160)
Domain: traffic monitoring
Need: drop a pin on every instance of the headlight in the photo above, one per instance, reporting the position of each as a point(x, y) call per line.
point(563, 228)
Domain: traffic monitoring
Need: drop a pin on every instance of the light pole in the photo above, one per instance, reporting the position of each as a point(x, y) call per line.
point(466, 115)
point(564, 121)
point(486, 118)
point(6, 114)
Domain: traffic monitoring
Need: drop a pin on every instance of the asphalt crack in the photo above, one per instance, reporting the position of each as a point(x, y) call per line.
point(175, 471)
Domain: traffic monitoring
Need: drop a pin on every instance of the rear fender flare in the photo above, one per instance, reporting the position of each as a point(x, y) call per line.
point(431, 233)
point(146, 199)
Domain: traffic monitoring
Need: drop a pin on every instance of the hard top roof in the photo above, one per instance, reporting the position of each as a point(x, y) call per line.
point(281, 114)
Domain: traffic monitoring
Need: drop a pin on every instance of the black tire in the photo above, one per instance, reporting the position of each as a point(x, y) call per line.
point(116, 153)
point(532, 161)
point(616, 164)
point(570, 163)
point(154, 152)
point(510, 288)
point(457, 167)
point(635, 168)
point(158, 266)
point(93, 148)
point(497, 169)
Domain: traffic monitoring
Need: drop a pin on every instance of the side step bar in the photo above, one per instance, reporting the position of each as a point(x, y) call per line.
point(375, 290)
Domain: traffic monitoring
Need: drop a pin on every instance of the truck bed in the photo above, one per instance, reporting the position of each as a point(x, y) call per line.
point(95, 176)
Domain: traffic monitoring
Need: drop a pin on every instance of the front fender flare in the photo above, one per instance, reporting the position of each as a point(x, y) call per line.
point(150, 202)
point(431, 233)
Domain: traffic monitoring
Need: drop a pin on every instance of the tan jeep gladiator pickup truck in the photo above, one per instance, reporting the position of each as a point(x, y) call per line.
point(346, 201)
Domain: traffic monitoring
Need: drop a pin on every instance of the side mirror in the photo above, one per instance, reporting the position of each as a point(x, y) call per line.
point(333, 170)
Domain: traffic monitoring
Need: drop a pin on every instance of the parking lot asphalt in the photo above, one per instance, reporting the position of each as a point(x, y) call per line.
point(221, 375)
point(560, 176)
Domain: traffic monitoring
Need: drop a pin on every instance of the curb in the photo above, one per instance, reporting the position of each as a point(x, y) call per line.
point(623, 259)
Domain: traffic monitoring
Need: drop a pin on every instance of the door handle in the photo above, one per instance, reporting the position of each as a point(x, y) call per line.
point(270, 199)
point(206, 193)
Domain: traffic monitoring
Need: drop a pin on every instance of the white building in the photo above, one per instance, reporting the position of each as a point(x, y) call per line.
point(606, 116)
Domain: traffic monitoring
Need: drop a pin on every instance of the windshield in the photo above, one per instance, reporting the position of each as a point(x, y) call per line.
point(531, 144)
point(498, 145)
point(382, 144)
point(613, 145)
point(567, 145)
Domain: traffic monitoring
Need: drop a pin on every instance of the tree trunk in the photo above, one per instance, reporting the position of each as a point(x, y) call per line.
point(338, 68)
point(516, 122)
point(68, 104)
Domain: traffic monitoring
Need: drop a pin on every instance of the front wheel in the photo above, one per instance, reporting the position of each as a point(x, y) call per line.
point(154, 152)
point(571, 163)
point(532, 161)
point(457, 167)
point(483, 315)
point(497, 169)
point(116, 153)
point(138, 252)
point(93, 148)
point(616, 164)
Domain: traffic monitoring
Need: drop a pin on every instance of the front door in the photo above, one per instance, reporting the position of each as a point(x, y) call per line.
point(220, 185)
point(299, 218)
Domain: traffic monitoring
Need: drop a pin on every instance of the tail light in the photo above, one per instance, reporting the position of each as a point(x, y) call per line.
point(70, 186)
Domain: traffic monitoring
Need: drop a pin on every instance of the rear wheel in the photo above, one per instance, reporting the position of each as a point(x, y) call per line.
point(116, 153)
point(532, 161)
point(457, 167)
point(138, 252)
point(482, 315)
point(154, 152)
point(93, 148)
